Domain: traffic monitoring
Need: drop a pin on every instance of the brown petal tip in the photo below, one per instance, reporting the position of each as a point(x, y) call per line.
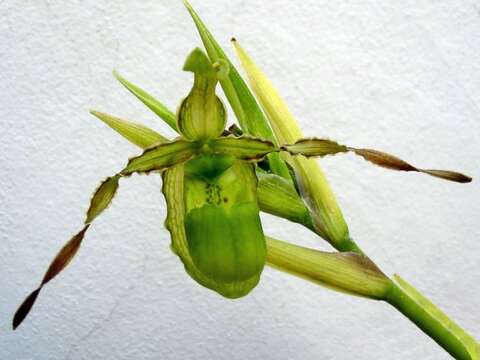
point(449, 175)
point(24, 309)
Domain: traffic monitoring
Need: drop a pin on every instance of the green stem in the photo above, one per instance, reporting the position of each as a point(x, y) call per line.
point(432, 321)
point(347, 244)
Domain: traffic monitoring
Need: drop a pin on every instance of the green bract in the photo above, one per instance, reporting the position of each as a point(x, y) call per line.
point(216, 181)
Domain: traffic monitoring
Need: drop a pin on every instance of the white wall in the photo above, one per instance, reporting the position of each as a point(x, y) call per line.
point(402, 76)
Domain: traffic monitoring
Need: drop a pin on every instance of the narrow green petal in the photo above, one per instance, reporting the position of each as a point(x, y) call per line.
point(428, 317)
point(315, 190)
point(137, 134)
point(245, 147)
point(102, 197)
point(242, 101)
point(153, 104)
point(315, 147)
point(161, 157)
point(347, 272)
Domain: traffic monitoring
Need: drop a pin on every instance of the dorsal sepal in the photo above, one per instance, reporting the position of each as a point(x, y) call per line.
point(201, 114)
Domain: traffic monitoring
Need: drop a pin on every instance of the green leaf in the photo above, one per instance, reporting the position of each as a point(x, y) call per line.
point(347, 272)
point(313, 185)
point(152, 103)
point(161, 157)
point(137, 134)
point(242, 101)
point(245, 147)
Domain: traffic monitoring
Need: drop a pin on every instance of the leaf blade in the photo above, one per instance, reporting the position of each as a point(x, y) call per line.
point(153, 104)
point(137, 134)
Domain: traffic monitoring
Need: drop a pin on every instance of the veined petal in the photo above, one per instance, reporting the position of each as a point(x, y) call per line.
point(102, 197)
point(245, 147)
point(315, 147)
point(323, 147)
point(161, 157)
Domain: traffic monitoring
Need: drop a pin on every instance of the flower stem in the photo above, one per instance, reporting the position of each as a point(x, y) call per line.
point(431, 320)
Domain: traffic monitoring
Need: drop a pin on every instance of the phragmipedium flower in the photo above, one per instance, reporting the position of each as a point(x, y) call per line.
point(217, 180)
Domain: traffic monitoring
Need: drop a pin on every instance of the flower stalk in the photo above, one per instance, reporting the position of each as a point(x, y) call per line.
point(355, 274)
point(431, 320)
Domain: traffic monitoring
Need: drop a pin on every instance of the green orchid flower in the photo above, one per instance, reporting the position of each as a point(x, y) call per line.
point(216, 181)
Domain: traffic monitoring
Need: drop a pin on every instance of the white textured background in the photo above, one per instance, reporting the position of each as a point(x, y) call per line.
point(402, 76)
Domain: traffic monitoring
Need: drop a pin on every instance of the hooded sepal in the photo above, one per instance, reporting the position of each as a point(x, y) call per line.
point(201, 114)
